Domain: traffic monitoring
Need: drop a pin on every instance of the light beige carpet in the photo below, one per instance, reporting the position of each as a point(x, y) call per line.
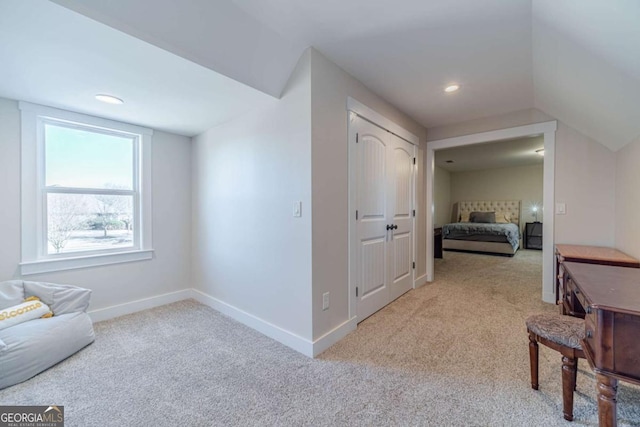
point(463, 337)
point(452, 353)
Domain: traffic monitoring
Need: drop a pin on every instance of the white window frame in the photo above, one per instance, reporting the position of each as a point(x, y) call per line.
point(35, 256)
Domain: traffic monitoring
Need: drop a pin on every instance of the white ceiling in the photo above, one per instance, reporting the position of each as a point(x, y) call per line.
point(492, 155)
point(577, 60)
point(53, 56)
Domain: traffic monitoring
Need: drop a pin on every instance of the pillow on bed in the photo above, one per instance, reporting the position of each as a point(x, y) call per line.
point(503, 217)
point(483, 217)
point(464, 216)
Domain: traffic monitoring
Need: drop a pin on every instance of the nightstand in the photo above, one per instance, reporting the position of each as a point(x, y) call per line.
point(437, 242)
point(533, 235)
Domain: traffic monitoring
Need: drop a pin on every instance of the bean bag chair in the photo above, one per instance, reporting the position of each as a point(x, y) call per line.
point(41, 324)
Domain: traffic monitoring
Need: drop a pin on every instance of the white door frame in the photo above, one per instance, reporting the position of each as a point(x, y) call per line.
point(549, 131)
point(358, 109)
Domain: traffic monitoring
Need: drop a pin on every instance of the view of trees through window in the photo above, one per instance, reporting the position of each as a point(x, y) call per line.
point(89, 189)
point(79, 222)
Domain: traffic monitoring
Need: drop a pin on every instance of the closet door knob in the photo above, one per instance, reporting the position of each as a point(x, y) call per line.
point(395, 227)
point(389, 227)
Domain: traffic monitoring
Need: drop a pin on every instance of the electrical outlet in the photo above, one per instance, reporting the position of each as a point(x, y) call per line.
point(325, 301)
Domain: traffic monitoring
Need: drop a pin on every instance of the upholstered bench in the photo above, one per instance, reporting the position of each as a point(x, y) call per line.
point(563, 334)
point(30, 347)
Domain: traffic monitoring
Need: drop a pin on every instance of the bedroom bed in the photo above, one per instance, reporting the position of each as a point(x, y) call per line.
point(484, 226)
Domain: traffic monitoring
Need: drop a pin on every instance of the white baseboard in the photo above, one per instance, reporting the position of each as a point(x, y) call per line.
point(139, 305)
point(287, 338)
point(549, 297)
point(296, 342)
point(332, 337)
point(420, 281)
point(283, 336)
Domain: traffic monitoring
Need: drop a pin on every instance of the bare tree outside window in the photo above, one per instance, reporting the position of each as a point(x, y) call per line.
point(80, 222)
point(65, 215)
point(107, 213)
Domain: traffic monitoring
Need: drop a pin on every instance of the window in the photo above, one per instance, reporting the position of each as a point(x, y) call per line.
point(85, 191)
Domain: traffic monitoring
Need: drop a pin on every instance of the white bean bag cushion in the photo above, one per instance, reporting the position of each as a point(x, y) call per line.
point(31, 347)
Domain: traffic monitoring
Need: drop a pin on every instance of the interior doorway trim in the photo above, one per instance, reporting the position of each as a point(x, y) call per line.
point(381, 121)
point(548, 129)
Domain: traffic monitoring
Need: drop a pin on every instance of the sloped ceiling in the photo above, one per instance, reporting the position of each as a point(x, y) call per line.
point(216, 34)
point(53, 56)
point(577, 60)
point(586, 66)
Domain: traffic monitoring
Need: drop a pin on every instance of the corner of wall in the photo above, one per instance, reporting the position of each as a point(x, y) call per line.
point(251, 256)
point(330, 88)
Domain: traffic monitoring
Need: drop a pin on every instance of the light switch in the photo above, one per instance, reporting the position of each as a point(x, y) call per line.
point(561, 208)
point(297, 209)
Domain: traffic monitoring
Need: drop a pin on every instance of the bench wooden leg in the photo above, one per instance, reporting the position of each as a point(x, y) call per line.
point(533, 360)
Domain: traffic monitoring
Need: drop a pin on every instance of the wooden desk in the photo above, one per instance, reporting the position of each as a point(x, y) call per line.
point(589, 255)
point(610, 299)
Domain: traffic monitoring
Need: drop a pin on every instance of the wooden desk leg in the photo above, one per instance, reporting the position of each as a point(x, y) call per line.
point(607, 389)
point(568, 385)
point(533, 360)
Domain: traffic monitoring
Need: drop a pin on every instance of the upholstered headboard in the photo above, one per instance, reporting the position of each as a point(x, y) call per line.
point(510, 206)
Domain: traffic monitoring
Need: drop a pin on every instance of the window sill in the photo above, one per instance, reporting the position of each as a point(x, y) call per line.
point(49, 265)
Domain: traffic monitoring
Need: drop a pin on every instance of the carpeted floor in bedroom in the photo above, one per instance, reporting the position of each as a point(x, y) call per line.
point(451, 353)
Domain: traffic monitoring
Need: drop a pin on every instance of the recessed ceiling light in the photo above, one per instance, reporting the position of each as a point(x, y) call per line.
point(452, 88)
point(109, 99)
point(540, 151)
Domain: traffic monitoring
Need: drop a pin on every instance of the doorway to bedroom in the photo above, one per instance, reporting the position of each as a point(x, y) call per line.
point(501, 180)
point(501, 174)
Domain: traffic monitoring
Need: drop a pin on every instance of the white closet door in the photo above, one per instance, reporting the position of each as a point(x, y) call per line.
point(400, 246)
point(372, 199)
point(384, 187)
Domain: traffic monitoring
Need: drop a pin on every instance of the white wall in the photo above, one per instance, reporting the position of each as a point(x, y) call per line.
point(330, 87)
point(627, 194)
point(441, 197)
point(585, 181)
point(249, 252)
point(10, 189)
point(168, 271)
point(584, 176)
point(514, 183)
